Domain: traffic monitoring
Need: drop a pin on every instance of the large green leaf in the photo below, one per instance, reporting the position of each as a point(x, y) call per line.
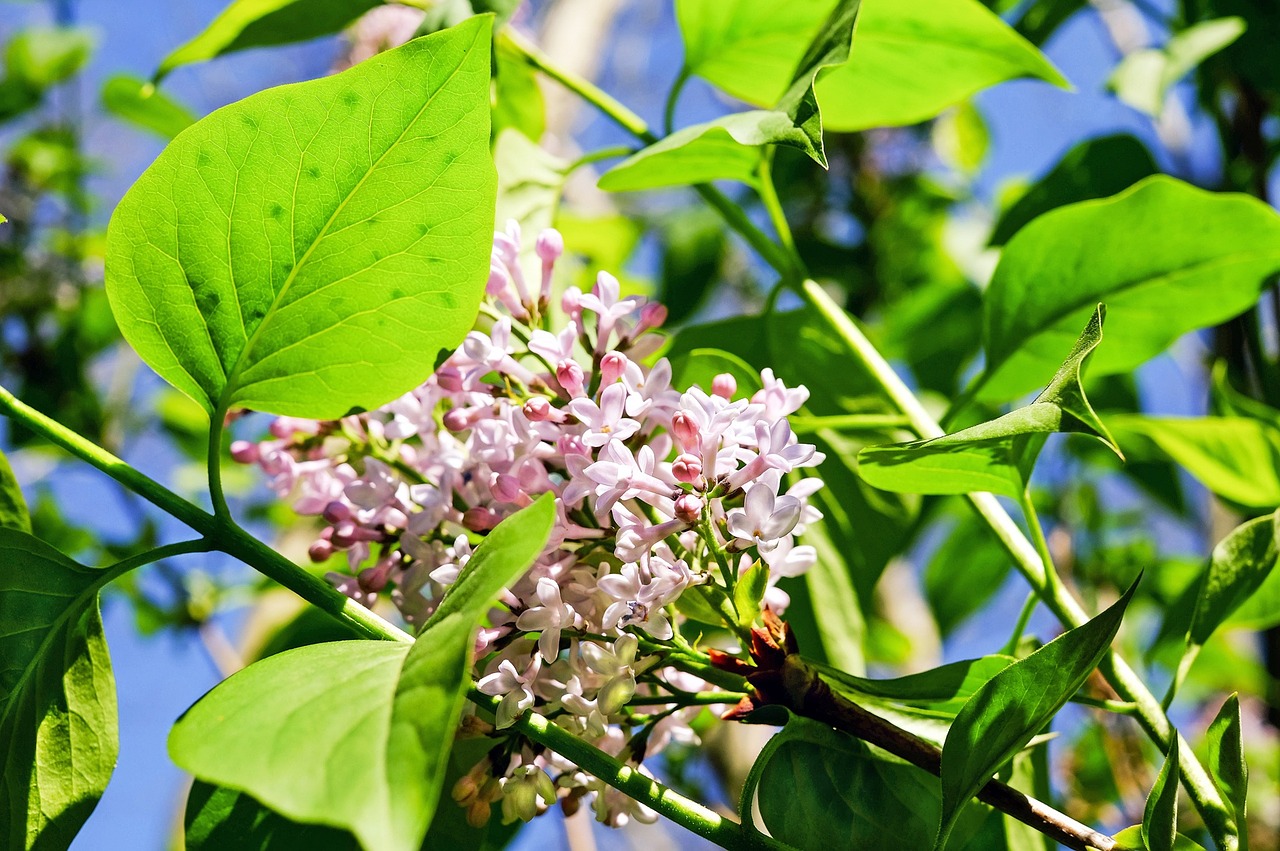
point(1166, 257)
point(300, 730)
point(13, 507)
point(1015, 704)
point(944, 689)
point(312, 249)
point(1236, 458)
point(727, 148)
point(1143, 78)
point(218, 818)
point(910, 61)
point(1238, 566)
point(57, 694)
point(995, 456)
point(140, 103)
point(1225, 742)
point(261, 23)
point(811, 785)
point(1095, 168)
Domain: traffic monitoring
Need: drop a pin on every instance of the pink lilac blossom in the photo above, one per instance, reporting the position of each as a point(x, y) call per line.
point(659, 491)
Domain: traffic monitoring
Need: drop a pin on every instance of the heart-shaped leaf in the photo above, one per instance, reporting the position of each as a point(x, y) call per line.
point(313, 248)
point(1166, 257)
point(57, 694)
point(1015, 704)
point(995, 456)
point(356, 734)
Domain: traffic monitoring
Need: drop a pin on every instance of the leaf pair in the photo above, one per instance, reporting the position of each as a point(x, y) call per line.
point(356, 734)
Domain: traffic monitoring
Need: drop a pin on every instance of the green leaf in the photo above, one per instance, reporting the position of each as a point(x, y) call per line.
point(1015, 704)
point(945, 689)
point(699, 367)
point(360, 207)
point(961, 138)
point(995, 456)
point(749, 591)
point(1238, 566)
point(1143, 78)
point(726, 148)
point(41, 57)
point(1095, 168)
point(300, 730)
point(1160, 817)
point(140, 103)
point(218, 818)
point(911, 61)
point(1152, 253)
point(57, 694)
point(13, 507)
point(1236, 458)
point(1227, 766)
point(262, 23)
point(517, 97)
point(811, 784)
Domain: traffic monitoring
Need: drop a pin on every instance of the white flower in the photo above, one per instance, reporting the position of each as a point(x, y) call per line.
point(549, 618)
point(604, 422)
point(517, 696)
point(764, 518)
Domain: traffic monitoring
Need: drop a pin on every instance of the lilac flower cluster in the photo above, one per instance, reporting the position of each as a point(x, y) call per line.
point(660, 492)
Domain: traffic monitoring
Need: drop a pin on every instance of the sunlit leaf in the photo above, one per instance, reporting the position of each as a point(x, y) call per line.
point(360, 208)
point(995, 456)
point(1151, 253)
point(41, 57)
point(13, 507)
point(261, 23)
point(298, 731)
point(1226, 763)
point(57, 694)
point(1015, 704)
point(1143, 78)
point(140, 103)
point(1238, 566)
point(1236, 458)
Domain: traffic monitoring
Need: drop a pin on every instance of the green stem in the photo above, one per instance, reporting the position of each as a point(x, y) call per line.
point(673, 97)
point(1011, 648)
point(1052, 584)
point(630, 781)
point(773, 204)
point(199, 545)
point(214, 462)
point(701, 698)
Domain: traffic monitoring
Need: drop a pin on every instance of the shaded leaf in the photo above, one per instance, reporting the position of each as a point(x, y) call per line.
point(261, 23)
point(218, 818)
point(1095, 168)
point(361, 209)
point(1238, 566)
point(945, 689)
point(1160, 817)
point(13, 507)
point(57, 694)
point(1151, 253)
point(140, 103)
point(1015, 704)
point(965, 571)
point(699, 367)
point(995, 456)
point(530, 181)
point(1227, 766)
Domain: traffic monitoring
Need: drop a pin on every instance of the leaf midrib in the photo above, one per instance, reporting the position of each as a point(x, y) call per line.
point(228, 390)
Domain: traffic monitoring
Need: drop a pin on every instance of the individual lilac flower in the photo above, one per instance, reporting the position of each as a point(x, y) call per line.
point(616, 664)
point(549, 618)
point(606, 302)
point(513, 686)
point(604, 422)
point(526, 791)
point(764, 518)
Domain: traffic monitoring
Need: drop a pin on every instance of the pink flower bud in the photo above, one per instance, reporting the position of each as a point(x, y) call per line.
point(479, 519)
point(612, 366)
point(550, 245)
point(286, 427)
point(449, 378)
point(652, 315)
point(540, 410)
point(689, 508)
point(687, 468)
point(374, 579)
point(685, 428)
point(571, 301)
point(505, 487)
point(320, 551)
point(244, 452)
point(336, 512)
point(570, 376)
point(456, 419)
point(724, 385)
point(497, 280)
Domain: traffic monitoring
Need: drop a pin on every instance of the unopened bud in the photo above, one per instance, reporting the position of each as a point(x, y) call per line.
point(456, 419)
point(505, 487)
point(336, 512)
point(570, 376)
point(687, 468)
point(685, 428)
point(724, 385)
point(244, 452)
point(478, 813)
point(689, 508)
point(320, 551)
point(449, 378)
point(550, 245)
point(479, 519)
point(571, 301)
point(374, 579)
point(652, 315)
point(612, 366)
point(537, 409)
